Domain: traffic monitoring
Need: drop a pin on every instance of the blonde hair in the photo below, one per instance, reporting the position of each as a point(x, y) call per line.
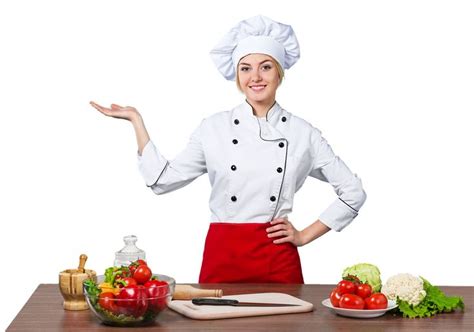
point(280, 70)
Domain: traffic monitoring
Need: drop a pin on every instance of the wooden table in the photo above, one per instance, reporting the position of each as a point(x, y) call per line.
point(44, 312)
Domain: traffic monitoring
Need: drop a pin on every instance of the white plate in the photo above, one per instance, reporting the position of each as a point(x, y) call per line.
point(360, 313)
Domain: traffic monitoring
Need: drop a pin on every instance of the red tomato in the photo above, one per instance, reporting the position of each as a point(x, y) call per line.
point(140, 262)
point(335, 296)
point(376, 301)
point(142, 274)
point(351, 301)
point(346, 287)
point(133, 265)
point(157, 292)
point(107, 302)
point(364, 290)
point(128, 282)
point(132, 301)
point(352, 278)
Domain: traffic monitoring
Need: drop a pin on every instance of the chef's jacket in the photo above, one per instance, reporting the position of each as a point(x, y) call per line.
point(255, 167)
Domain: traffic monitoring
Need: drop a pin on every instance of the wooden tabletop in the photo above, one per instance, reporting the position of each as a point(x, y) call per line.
point(44, 312)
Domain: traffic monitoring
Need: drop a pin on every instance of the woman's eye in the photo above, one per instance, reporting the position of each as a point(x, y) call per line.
point(244, 68)
point(267, 67)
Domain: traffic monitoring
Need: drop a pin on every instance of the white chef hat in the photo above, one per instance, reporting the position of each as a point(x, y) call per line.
point(258, 34)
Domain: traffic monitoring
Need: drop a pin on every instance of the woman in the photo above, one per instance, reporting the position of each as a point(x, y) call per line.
point(257, 156)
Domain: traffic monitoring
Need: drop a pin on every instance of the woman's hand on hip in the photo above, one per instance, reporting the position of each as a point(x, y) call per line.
point(284, 230)
point(116, 111)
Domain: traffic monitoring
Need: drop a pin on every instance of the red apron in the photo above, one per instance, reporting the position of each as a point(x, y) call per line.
point(243, 253)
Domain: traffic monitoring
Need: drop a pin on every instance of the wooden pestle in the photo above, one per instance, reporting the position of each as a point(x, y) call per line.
point(188, 292)
point(82, 263)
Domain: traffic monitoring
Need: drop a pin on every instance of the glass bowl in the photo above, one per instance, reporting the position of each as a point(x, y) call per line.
point(142, 305)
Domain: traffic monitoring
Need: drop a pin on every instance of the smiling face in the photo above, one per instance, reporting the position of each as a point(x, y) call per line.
point(258, 77)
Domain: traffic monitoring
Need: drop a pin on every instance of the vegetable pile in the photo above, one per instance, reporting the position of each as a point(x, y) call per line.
point(415, 297)
point(128, 293)
point(351, 293)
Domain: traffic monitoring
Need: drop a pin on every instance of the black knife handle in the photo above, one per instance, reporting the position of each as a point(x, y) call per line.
point(205, 301)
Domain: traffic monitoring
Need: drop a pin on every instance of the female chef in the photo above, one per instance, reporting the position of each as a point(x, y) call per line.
point(257, 155)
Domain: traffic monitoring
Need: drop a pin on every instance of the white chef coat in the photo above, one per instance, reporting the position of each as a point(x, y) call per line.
point(255, 167)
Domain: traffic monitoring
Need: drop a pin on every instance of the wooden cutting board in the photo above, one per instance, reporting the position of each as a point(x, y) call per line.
point(190, 310)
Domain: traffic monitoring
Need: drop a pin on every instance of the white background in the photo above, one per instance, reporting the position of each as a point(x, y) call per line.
point(389, 83)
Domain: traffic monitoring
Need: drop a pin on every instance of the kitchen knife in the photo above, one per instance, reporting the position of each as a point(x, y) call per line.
point(236, 303)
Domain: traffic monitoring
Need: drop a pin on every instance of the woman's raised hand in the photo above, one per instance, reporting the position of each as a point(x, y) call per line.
point(116, 111)
point(131, 114)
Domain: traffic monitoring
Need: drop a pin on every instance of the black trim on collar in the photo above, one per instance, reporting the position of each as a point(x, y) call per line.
point(266, 113)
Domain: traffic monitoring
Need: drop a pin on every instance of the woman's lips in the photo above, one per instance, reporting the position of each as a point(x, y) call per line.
point(257, 88)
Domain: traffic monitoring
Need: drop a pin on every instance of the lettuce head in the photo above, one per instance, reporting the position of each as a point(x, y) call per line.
point(367, 273)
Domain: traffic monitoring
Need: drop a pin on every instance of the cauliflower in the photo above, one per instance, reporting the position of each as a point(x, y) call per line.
point(406, 287)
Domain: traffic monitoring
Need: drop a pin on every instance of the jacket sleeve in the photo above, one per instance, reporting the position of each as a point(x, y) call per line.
point(330, 168)
point(162, 175)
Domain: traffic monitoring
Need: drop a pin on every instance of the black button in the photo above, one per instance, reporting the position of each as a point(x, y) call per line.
point(236, 121)
point(283, 119)
point(233, 167)
point(279, 169)
point(233, 198)
point(273, 198)
point(235, 141)
point(281, 145)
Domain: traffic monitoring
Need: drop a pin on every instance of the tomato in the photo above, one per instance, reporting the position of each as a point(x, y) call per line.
point(128, 281)
point(157, 292)
point(352, 278)
point(346, 287)
point(133, 266)
point(140, 262)
point(351, 301)
point(335, 296)
point(364, 290)
point(107, 302)
point(376, 301)
point(132, 300)
point(142, 274)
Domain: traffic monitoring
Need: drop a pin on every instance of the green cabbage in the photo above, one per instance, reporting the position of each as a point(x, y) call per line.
point(367, 273)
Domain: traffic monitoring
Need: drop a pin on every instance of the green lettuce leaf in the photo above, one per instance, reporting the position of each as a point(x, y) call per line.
point(434, 302)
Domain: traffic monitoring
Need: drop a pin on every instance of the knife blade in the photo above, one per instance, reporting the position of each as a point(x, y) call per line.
point(237, 303)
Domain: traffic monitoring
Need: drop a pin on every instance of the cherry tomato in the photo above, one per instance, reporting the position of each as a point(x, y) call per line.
point(157, 293)
point(364, 290)
point(107, 302)
point(132, 301)
point(142, 274)
point(133, 266)
point(376, 301)
point(346, 287)
point(351, 301)
point(140, 262)
point(128, 281)
point(335, 296)
point(352, 278)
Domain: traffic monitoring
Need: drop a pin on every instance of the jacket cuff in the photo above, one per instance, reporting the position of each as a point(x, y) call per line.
point(151, 164)
point(338, 215)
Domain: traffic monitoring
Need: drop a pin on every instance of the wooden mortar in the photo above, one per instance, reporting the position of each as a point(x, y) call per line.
point(70, 285)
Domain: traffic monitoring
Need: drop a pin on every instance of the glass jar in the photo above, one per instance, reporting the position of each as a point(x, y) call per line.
point(129, 253)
